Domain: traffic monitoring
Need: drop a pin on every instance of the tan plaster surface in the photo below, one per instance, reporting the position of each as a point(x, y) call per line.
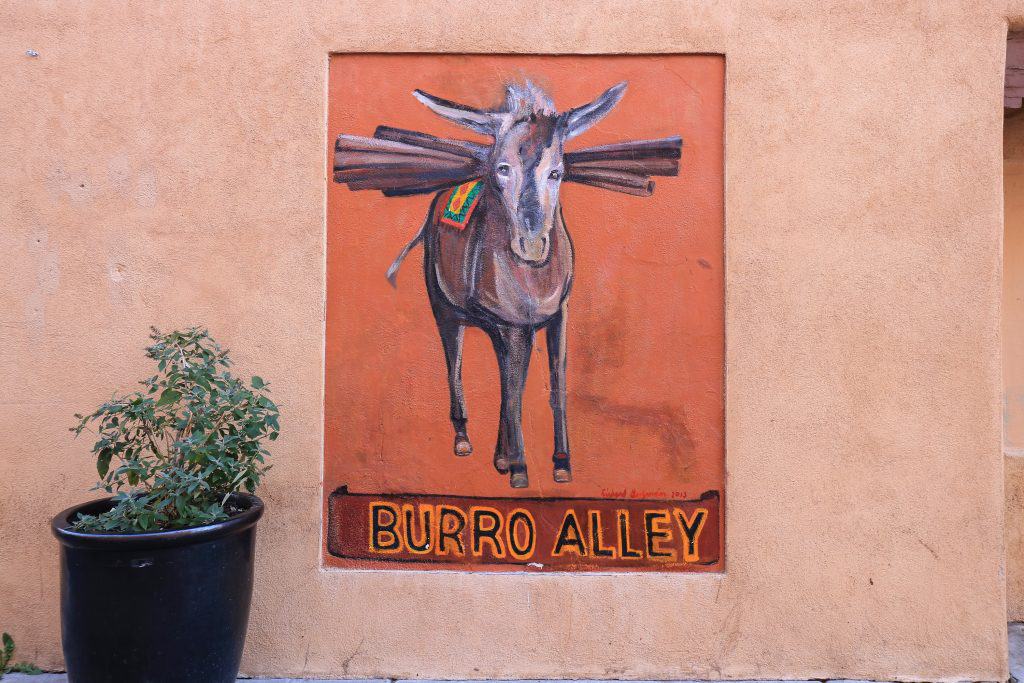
point(163, 163)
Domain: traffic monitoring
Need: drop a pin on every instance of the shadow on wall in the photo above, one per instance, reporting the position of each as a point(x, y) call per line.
point(1013, 356)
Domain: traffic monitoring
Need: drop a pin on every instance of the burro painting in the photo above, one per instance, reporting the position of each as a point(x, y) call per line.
point(525, 325)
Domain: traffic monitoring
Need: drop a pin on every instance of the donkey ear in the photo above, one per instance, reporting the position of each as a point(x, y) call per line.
point(582, 118)
point(474, 119)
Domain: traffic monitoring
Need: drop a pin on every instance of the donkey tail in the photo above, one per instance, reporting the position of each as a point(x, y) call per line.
point(392, 273)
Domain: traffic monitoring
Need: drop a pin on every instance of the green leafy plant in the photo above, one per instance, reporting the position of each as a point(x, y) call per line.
point(173, 452)
point(7, 656)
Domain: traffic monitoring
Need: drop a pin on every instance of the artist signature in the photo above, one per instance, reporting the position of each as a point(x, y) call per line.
point(634, 494)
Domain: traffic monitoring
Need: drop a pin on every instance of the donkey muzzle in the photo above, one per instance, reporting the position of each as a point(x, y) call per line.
point(531, 249)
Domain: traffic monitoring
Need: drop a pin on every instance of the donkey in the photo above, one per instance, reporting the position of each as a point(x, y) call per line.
point(508, 269)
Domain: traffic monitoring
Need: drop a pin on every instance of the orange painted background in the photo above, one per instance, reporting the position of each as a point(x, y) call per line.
point(646, 320)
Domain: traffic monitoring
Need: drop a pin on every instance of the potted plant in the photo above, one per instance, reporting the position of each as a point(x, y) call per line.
point(156, 580)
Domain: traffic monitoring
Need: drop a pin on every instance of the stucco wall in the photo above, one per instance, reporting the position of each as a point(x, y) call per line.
point(164, 164)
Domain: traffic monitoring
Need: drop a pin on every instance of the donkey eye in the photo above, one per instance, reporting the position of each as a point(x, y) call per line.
point(503, 169)
point(555, 175)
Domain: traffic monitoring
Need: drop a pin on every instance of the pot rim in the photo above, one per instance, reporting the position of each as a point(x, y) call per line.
point(61, 528)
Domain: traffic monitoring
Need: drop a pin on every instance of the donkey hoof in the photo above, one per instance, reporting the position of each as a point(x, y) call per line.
point(519, 480)
point(563, 471)
point(501, 464)
point(462, 446)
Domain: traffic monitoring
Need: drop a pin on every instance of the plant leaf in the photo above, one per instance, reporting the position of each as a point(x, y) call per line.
point(168, 396)
point(8, 650)
point(103, 462)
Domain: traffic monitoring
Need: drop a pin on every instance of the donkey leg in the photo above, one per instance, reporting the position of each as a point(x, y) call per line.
point(451, 339)
point(555, 333)
point(513, 345)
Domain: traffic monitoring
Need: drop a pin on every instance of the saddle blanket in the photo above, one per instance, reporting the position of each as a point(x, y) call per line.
point(460, 204)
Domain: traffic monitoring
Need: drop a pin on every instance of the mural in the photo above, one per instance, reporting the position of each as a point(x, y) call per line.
point(499, 262)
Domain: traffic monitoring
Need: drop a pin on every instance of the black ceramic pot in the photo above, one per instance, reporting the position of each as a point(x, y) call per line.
point(162, 607)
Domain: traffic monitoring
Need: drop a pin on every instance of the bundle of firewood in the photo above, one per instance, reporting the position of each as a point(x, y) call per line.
point(404, 162)
point(625, 166)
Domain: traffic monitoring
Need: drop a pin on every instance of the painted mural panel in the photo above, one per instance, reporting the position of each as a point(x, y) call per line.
point(525, 326)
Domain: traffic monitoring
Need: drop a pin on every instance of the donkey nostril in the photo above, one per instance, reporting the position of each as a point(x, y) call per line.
point(544, 242)
point(522, 244)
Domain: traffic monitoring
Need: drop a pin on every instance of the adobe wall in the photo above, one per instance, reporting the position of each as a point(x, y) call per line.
point(165, 164)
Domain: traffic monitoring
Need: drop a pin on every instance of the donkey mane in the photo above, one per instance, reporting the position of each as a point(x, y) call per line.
point(526, 99)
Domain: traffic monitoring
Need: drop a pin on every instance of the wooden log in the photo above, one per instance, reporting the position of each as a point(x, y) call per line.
point(612, 180)
point(398, 177)
point(401, 172)
point(647, 167)
point(631, 180)
point(464, 148)
point(664, 148)
point(357, 144)
point(386, 162)
point(644, 191)
point(351, 160)
point(397, 186)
